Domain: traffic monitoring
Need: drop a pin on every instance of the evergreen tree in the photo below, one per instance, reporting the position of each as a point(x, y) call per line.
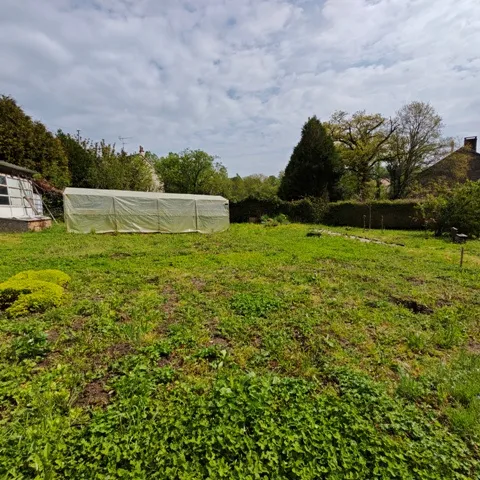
point(29, 144)
point(82, 156)
point(314, 168)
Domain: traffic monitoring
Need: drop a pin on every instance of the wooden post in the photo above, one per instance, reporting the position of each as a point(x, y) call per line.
point(370, 217)
point(461, 257)
point(364, 222)
point(382, 224)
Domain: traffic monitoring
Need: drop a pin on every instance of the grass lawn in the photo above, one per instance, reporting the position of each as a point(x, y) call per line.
point(255, 353)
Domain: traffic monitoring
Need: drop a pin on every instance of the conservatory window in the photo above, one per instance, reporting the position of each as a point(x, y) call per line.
point(3, 191)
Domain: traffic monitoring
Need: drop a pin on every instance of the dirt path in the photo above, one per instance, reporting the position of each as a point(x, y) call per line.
point(360, 239)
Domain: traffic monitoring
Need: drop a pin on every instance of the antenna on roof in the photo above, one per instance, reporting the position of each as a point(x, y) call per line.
point(122, 139)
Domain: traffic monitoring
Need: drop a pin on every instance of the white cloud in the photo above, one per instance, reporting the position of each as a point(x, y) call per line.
point(236, 78)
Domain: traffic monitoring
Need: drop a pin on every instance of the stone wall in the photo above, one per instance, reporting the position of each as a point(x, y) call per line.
point(14, 225)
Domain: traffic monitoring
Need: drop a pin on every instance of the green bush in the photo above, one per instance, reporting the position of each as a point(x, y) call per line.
point(462, 209)
point(398, 214)
point(32, 291)
point(459, 208)
point(51, 276)
point(280, 219)
point(307, 210)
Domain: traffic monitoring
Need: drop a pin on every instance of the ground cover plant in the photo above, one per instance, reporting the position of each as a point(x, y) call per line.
point(255, 353)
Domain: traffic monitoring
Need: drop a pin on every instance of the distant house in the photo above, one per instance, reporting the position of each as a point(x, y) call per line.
point(457, 167)
point(157, 184)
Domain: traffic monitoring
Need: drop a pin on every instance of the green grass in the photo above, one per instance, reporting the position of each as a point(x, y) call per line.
point(255, 353)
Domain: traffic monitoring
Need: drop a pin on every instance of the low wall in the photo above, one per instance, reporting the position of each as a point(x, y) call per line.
point(14, 225)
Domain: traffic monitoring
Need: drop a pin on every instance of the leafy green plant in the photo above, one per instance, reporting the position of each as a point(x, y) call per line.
point(247, 426)
point(249, 305)
point(29, 343)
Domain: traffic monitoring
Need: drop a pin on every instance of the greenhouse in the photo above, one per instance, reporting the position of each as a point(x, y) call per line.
point(104, 211)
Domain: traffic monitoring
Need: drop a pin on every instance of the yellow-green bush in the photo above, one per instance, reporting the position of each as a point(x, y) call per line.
point(32, 291)
point(51, 276)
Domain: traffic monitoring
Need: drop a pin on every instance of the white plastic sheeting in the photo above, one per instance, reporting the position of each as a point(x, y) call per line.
point(103, 211)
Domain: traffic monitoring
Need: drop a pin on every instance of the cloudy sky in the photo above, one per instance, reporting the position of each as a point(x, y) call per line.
point(237, 78)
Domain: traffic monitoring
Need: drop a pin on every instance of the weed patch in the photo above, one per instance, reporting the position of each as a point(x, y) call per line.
point(255, 353)
point(249, 305)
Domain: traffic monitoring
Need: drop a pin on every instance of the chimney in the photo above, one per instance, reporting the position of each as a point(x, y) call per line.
point(470, 143)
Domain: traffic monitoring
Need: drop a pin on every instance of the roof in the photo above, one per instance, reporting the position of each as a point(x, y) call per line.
point(135, 194)
point(6, 167)
point(459, 166)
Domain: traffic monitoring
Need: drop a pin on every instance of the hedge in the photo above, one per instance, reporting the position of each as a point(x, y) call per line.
point(251, 210)
point(398, 214)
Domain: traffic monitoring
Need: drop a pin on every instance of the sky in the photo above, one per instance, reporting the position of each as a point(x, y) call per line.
point(236, 78)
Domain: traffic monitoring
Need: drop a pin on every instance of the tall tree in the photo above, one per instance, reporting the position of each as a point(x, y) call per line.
point(29, 144)
point(119, 171)
point(314, 167)
point(416, 143)
point(81, 154)
point(362, 141)
point(191, 171)
point(256, 186)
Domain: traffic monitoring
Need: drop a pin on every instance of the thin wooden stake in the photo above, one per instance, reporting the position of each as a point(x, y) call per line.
point(364, 222)
point(370, 217)
point(461, 258)
point(382, 224)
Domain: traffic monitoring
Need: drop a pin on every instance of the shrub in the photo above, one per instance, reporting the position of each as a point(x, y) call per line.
point(462, 209)
point(51, 276)
point(398, 214)
point(280, 219)
point(32, 291)
point(307, 210)
point(458, 209)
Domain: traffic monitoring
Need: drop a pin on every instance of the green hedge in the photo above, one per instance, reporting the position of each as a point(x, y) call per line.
point(399, 214)
point(251, 210)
